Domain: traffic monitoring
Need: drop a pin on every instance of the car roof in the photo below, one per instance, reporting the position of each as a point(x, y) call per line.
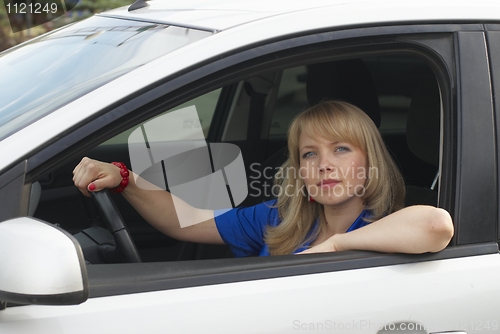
point(224, 14)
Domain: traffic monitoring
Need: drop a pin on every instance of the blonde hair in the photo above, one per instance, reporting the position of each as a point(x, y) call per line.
point(336, 121)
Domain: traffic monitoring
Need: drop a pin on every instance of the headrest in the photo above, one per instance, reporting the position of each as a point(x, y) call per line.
point(347, 80)
point(422, 126)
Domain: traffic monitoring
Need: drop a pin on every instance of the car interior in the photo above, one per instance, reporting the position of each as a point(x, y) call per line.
point(399, 92)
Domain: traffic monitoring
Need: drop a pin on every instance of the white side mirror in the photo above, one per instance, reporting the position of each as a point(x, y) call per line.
point(40, 264)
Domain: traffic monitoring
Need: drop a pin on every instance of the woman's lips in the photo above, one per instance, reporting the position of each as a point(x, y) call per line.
point(328, 183)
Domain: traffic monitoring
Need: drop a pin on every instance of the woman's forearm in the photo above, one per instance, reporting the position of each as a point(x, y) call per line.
point(157, 207)
point(416, 229)
point(153, 204)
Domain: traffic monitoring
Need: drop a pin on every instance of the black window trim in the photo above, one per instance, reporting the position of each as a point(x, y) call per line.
point(493, 47)
point(476, 175)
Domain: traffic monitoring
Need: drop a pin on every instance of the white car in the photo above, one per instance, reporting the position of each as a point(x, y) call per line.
point(427, 72)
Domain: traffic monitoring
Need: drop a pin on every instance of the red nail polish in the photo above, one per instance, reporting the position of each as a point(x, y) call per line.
point(91, 187)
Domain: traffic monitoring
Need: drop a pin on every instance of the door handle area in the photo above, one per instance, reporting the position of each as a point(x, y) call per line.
point(449, 332)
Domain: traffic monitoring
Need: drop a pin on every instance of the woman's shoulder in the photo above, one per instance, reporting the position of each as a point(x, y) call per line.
point(258, 212)
point(267, 209)
point(266, 212)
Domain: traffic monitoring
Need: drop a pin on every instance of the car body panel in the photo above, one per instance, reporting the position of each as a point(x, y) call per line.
point(371, 298)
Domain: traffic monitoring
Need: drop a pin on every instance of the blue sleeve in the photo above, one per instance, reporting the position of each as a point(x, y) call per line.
point(242, 229)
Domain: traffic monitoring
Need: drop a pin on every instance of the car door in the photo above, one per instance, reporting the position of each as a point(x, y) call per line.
point(361, 292)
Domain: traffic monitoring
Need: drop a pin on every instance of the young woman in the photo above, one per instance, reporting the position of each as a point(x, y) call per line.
point(338, 178)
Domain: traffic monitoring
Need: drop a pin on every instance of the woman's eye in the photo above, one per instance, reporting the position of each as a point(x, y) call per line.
point(342, 149)
point(307, 155)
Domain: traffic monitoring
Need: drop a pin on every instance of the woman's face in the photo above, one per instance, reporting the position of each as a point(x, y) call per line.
point(334, 173)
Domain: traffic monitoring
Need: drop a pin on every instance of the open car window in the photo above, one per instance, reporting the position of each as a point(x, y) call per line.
point(395, 85)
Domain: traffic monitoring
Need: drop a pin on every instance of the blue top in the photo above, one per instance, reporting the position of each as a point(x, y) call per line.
point(243, 229)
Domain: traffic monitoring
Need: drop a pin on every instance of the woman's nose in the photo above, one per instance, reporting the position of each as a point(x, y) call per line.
point(326, 164)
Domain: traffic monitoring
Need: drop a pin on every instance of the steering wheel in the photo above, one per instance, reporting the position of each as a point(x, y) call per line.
point(116, 225)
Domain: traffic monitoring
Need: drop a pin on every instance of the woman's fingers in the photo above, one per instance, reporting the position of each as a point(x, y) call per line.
point(93, 175)
point(82, 176)
point(97, 185)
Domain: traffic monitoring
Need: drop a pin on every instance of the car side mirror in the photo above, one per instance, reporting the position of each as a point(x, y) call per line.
point(40, 264)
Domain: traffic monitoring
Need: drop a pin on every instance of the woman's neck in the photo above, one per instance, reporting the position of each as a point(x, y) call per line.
point(340, 218)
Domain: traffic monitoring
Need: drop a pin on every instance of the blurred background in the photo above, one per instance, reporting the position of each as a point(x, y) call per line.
point(82, 9)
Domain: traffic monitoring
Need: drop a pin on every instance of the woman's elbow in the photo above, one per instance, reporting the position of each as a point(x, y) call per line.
point(440, 228)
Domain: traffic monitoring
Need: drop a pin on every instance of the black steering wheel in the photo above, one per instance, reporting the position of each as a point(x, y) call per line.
point(116, 225)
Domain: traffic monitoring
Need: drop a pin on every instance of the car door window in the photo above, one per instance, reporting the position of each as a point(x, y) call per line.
point(205, 106)
point(394, 93)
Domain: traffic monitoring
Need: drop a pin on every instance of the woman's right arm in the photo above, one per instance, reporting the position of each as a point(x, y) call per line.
point(155, 205)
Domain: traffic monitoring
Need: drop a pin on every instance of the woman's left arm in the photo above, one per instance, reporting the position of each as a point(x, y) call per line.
point(414, 229)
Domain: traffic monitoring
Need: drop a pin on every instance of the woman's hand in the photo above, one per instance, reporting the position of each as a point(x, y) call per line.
point(329, 245)
point(93, 175)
